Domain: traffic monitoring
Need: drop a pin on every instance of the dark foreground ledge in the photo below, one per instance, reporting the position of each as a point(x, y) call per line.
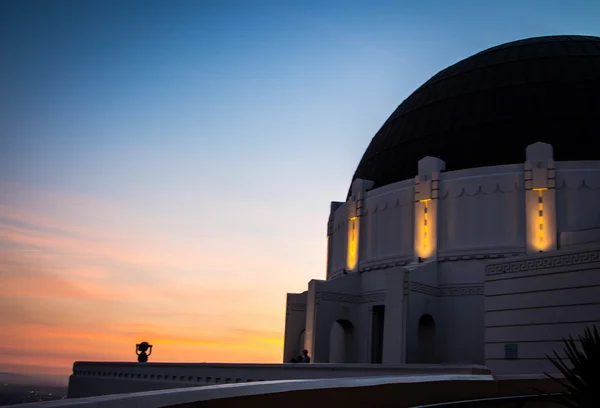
point(392, 391)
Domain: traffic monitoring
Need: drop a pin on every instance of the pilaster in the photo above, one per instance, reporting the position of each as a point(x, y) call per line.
point(312, 306)
point(330, 224)
point(540, 198)
point(427, 188)
point(393, 332)
point(295, 320)
point(356, 207)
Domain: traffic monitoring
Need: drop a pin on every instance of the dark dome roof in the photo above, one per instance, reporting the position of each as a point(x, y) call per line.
point(486, 109)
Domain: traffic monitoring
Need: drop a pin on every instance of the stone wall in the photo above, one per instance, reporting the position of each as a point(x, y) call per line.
point(481, 213)
point(96, 378)
point(532, 302)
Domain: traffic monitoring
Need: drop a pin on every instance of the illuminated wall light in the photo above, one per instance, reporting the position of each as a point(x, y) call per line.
point(540, 199)
point(425, 229)
point(541, 216)
point(425, 243)
point(541, 222)
point(352, 259)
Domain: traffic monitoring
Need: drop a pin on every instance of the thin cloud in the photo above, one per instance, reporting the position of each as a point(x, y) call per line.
point(92, 289)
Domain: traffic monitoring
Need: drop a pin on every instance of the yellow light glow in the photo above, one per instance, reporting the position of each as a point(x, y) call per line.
point(352, 258)
point(425, 240)
point(538, 223)
point(541, 217)
point(424, 230)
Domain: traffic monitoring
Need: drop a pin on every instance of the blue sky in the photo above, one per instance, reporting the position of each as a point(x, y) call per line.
point(210, 88)
point(203, 141)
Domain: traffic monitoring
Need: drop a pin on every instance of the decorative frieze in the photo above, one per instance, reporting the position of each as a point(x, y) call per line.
point(465, 290)
point(468, 290)
point(373, 297)
point(533, 178)
point(296, 307)
point(386, 263)
point(557, 261)
point(425, 289)
point(450, 191)
point(579, 184)
point(361, 298)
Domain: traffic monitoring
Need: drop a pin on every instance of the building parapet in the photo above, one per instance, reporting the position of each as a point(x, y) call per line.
point(101, 378)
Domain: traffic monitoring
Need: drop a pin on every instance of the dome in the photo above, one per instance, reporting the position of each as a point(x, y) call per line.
point(485, 110)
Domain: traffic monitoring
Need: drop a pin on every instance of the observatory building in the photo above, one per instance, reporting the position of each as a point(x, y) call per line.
point(471, 229)
point(470, 236)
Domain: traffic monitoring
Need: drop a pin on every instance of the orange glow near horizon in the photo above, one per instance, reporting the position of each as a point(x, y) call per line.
point(72, 290)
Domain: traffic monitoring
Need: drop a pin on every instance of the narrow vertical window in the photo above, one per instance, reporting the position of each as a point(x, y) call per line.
point(541, 216)
point(425, 224)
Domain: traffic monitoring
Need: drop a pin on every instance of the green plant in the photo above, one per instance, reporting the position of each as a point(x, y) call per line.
point(581, 372)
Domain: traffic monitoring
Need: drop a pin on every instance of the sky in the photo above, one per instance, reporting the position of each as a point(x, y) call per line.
point(166, 167)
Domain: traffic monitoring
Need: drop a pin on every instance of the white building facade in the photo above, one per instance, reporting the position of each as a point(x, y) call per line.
point(471, 231)
point(417, 271)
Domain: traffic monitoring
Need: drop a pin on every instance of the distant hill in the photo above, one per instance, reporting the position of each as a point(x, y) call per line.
point(34, 379)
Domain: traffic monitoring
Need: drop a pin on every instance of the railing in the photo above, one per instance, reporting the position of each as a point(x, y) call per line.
point(97, 378)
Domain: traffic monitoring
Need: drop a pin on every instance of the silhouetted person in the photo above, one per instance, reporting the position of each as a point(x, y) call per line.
point(140, 350)
point(142, 357)
point(305, 358)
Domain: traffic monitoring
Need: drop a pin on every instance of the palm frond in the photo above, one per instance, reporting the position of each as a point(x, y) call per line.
point(581, 370)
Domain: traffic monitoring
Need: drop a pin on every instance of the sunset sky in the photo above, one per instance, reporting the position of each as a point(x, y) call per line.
point(166, 167)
